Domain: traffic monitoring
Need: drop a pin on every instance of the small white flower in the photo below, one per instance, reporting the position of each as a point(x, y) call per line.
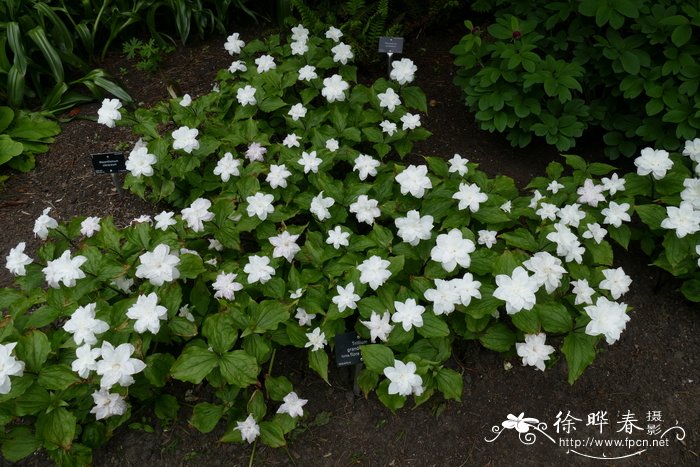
point(237, 65)
point(234, 44)
point(246, 95)
point(140, 162)
point(338, 238)
point(389, 100)
point(547, 270)
point(297, 111)
point(226, 286)
point(184, 312)
point(536, 197)
point(506, 207)
point(300, 33)
point(292, 405)
point(334, 88)
point(403, 379)
point(227, 166)
point(410, 121)
point(583, 292)
point(249, 429)
point(466, 288)
point(374, 271)
point(534, 351)
point(403, 71)
point(608, 318)
point(158, 266)
point(214, 244)
point(342, 53)
point(458, 164)
point(296, 294)
point(256, 152)
point(691, 192)
point(90, 226)
point(9, 366)
point(332, 145)
point(16, 260)
point(278, 176)
point(317, 340)
point(554, 187)
point(414, 180)
point(310, 162)
point(259, 269)
point(303, 317)
point(568, 245)
point(517, 290)
point(379, 327)
point(595, 231)
point(64, 269)
point(388, 127)
point(197, 213)
point(692, 150)
point(265, 63)
point(469, 196)
point(285, 246)
point(142, 219)
point(684, 219)
point(43, 223)
point(109, 113)
point(83, 325)
point(185, 138)
point(165, 220)
point(260, 205)
point(655, 162)
point(107, 404)
point(186, 100)
point(571, 215)
point(299, 47)
point(291, 141)
point(444, 297)
point(85, 360)
point(117, 366)
point(452, 249)
point(346, 298)
point(319, 206)
point(615, 214)
point(147, 313)
point(616, 281)
point(307, 73)
point(413, 228)
point(366, 166)
point(487, 238)
point(547, 211)
point(409, 314)
point(334, 34)
point(590, 193)
point(613, 184)
point(123, 283)
point(365, 209)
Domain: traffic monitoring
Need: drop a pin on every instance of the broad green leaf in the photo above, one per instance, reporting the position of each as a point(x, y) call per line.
point(391, 401)
point(271, 434)
point(433, 326)
point(57, 377)
point(277, 387)
point(19, 443)
point(33, 349)
point(376, 357)
point(194, 364)
point(449, 382)
point(498, 337)
point(579, 349)
point(57, 427)
point(158, 367)
point(166, 407)
point(34, 400)
point(651, 214)
point(239, 368)
point(318, 361)
point(267, 316)
point(691, 290)
point(206, 416)
point(555, 318)
point(527, 321)
point(220, 331)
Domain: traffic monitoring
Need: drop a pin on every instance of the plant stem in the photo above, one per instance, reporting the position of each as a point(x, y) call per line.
point(272, 361)
point(252, 454)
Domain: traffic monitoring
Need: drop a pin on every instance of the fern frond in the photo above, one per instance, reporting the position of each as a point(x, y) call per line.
point(309, 18)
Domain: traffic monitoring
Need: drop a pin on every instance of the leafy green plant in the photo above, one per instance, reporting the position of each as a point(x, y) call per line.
point(22, 136)
point(148, 55)
point(555, 70)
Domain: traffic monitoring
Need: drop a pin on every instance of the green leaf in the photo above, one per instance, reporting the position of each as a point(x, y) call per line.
point(194, 364)
point(527, 321)
point(449, 382)
point(239, 368)
point(575, 162)
point(56, 427)
point(182, 327)
point(158, 367)
point(621, 235)
point(34, 400)
point(272, 434)
point(376, 357)
point(267, 316)
point(520, 238)
point(191, 266)
point(19, 443)
point(57, 377)
point(318, 361)
point(166, 407)
point(579, 349)
point(601, 252)
point(498, 337)
point(33, 349)
point(220, 331)
point(555, 318)
point(681, 34)
point(277, 387)
point(691, 290)
point(391, 401)
point(433, 326)
point(9, 148)
point(205, 416)
point(651, 214)
point(414, 98)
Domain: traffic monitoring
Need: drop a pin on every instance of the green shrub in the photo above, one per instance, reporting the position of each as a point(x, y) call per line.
point(22, 135)
point(555, 70)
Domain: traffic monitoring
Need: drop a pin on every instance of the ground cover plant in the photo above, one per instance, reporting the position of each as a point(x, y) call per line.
point(459, 193)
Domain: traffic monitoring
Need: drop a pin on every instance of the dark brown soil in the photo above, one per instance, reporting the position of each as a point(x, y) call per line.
point(652, 368)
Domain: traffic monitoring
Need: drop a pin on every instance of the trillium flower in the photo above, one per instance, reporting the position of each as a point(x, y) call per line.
point(554, 187)
point(299, 47)
point(197, 213)
point(227, 166)
point(388, 127)
point(613, 184)
point(226, 286)
point(616, 281)
point(583, 292)
point(16, 260)
point(158, 266)
point(452, 249)
point(249, 429)
point(234, 44)
point(506, 207)
point(379, 327)
point(256, 152)
point(608, 318)
point(410, 121)
point(389, 100)
point(692, 150)
point(590, 193)
point(571, 215)
point(85, 360)
point(123, 283)
point(517, 290)
point(534, 351)
point(259, 269)
point(296, 294)
point(109, 113)
point(214, 244)
point(142, 219)
point(365, 209)
point(403, 71)
point(536, 197)
point(403, 379)
point(260, 205)
point(83, 325)
point(409, 314)
point(444, 297)
point(458, 164)
point(185, 138)
point(317, 340)
point(547, 270)
point(300, 33)
point(297, 111)
point(140, 162)
point(568, 245)
point(366, 166)
point(374, 271)
point(292, 405)
point(595, 231)
point(332, 144)
point(334, 34)
point(309, 162)
point(338, 238)
point(319, 206)
point(64, 269)
point(520, 423)
point(246, 95)
point(684, 219)
point(334, 88)
point(43, 223)
point(285, 246)
point(487, 238)
point(303, 317)
point(413, 228)
point(466, 288)
point(164, 220)
point(237, 65)
point(9, 366)
point(615, 214)
point(265, 63)
point(147, 313)
point(184, 312)
point(414, 180)
point(691, 192)
point(291, 141)
point(186, 100)
point(342, 53)
point(547, 211)
point(307, 73)
point(107, 404)
point(278, 176)
point(346, 298)
point(89, 226)
point(469, 196)
point(655, 162)
point(117, 366)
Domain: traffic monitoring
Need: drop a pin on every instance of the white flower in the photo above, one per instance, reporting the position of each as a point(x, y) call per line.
point(291, 141)
point(85, 360)
point(285, 246)
point(165, 220)
point(197, 213)
point(226, 286)
point(517, 290)
point(410, 121)
point(414, 180)
point(310, 162)
point(374, 271)
point(296, 294)
point(452, 249)
point(334, 34)
point(413, 228)
point(334, 88)
point(444, 297)
point(568, 244)
point(234, 44)
point(547, 211)
point(304, 317)
point(255, 152)
point(583, 292)
point(536, 197)
point(655, 162)
point(297, 111)
point(608, 318)
point(466, 288)
point(506, 207)
point(143, 218)
point(319, 206)
point(317, 340)
point(117, 366)
point(590, 193)
point(158, 266)
point(408, 313)
point(292, 405)
point(109, 113)
point(613, 184)
point(365, 209)
point(64, 269)
point(249, 429)
point(43, 223)
point(403, 70)
point(379, 327)
point(185, 138)
point(186, 100)
point(346, 298)
point(83, 325)
point(299, 47)
point(107, 404)
point(214, 244)
point(147, 313)
point(571, 215)
point(691, 192)
point(615, 214)
point(403, 379)
point(184, 312)
point(342, 53)
point(246, 95)
point(259, 269)
point(388, 127)
point(469, 196)
point(332, 145)
point(90, 226)
point(554, 187)
point(9, 366)
point(265, 63)
point(237, 65)
point(227, 166)
point(684, 219)
point(140, 162)
point(16, 260)
point(595, 232)
point(389, 100)
point(123, 283)
point(487, 238)
point(547, 270)
point(366, 166)
point(692, 150)
point(278, 176)
point(338, 238)
point(458, 164)
point(260, 204)
point(616, 281)
point(534, 351)
point(307, 73)
point(300, 33)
